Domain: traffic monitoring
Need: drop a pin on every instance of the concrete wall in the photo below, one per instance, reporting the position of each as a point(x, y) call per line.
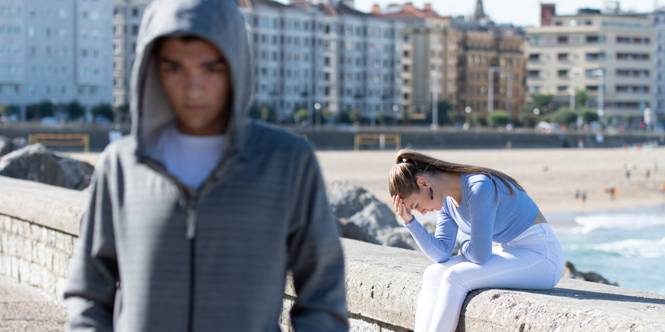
point(39, 225)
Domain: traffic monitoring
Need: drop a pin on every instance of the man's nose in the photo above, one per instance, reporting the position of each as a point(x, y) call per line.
point(194, 85)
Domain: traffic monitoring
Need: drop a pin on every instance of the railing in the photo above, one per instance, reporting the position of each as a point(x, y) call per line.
point(377, 139)
point(61, 140)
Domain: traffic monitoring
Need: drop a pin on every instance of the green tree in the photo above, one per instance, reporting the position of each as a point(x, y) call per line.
point(74, 110)
point(543, 102)
point(40, 110)
point(588, 115)
point(300, 115)
point(103, 110)
point(581, 98)
point(563, 116)
point(498, 118)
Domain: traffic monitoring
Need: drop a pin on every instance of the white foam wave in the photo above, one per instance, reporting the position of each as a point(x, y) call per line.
point(588, 224)
point(635, 248)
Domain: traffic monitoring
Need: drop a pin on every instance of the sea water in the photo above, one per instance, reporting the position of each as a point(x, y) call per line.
point(626, 247)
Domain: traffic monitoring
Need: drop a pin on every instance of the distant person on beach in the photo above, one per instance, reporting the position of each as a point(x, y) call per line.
point(195, 218)
point(487, 205)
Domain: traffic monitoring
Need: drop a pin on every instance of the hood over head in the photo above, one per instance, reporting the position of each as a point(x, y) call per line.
point(219, 22)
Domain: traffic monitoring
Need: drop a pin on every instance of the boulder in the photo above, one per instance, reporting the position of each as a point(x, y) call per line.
point(362, 215)
point(6, 146)
point(400, 238)
point(571, 272)
point(352, 231)
point(36, 163)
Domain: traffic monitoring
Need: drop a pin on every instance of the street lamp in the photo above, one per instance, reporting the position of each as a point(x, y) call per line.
point(435, 96)
point(317, 107)
point(601, 91)
point(468, 110)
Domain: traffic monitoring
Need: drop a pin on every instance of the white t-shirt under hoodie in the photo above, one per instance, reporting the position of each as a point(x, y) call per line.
point(189, 158)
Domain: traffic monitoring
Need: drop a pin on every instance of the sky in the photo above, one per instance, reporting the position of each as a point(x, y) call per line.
point(519, 12)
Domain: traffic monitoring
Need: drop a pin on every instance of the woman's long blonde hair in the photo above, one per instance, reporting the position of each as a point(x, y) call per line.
point(402, 180)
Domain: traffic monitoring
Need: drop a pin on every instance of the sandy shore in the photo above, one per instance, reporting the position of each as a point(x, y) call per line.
point(550, 176)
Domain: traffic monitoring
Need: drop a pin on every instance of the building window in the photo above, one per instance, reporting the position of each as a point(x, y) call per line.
point(562, 39)
point(599, 56)
point(562, 73)
point(534, 57)
point(562, 57)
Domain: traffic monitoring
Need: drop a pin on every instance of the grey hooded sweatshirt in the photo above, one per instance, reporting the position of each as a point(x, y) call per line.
point(154, 255)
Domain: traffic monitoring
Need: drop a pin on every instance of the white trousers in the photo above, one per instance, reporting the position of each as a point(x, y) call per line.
point(533, 260)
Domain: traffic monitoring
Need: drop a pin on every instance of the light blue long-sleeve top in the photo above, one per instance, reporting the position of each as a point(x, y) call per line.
point(487, 212)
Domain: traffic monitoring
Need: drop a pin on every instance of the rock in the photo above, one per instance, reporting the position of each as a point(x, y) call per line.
point(19, 142)
point(400, 238)
point(6, 146)
point(350, 230)
point(371, 219)
point(571, 272)
point(36, 163)
point(347, 199)
point(376, 219)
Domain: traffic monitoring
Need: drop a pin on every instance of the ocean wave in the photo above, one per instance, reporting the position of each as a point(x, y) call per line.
point(634, 248)
point(588, 224)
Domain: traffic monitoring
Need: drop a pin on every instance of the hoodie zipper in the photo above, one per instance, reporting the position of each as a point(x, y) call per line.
point(191, 231)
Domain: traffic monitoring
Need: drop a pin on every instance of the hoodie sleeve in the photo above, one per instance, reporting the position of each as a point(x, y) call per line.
point(315, 257)
point(90, 291)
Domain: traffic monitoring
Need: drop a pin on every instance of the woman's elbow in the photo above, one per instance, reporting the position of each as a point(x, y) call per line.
point(479, 259)
point(440, 258)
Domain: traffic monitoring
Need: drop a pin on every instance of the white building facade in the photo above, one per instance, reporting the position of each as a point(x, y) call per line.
point(325, 57)
point(57, 51)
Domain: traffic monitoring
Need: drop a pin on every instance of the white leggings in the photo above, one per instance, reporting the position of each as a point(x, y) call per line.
point(533, 260)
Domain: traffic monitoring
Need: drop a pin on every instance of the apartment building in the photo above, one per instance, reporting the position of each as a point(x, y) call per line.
point(58, 51)
point(458, 60)
point(609, 54)
point(324, 56)
point(658, 19)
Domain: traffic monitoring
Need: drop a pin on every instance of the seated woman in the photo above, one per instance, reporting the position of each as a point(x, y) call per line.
point(486, 204)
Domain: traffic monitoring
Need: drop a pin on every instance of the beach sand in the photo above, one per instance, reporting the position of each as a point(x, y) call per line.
point(550, 176)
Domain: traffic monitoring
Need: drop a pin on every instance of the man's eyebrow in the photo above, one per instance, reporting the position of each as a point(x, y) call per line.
point(215, 62)
point(169, 61)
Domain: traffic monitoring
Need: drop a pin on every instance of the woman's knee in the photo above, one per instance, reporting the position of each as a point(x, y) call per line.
point(433, 272)
point(454, 276)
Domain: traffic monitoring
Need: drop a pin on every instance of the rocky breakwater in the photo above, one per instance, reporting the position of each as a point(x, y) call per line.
point(37, 163)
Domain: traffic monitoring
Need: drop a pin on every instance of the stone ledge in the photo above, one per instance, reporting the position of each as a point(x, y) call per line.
point(383, 282)
point(49, 206)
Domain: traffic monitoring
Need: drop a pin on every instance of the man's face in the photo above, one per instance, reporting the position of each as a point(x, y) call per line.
point(197, 82)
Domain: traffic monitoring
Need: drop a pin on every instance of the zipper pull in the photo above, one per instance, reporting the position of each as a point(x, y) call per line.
point(191, 223)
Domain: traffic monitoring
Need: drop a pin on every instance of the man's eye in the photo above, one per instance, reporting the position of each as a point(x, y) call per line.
point(217, 69)
point(170, 68)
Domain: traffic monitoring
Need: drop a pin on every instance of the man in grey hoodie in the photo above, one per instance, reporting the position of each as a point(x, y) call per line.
point(195, 218)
